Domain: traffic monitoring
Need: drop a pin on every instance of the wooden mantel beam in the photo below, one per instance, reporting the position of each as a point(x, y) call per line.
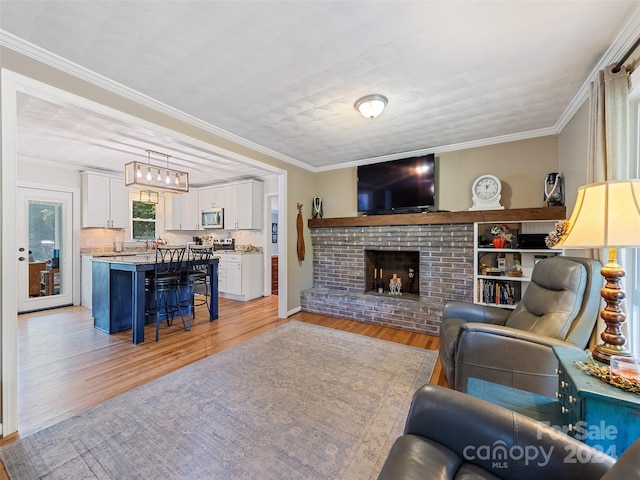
point(507, 215)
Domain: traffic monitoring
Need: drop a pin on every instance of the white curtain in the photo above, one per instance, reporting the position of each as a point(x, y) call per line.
point(609, 126)
point(608, 149)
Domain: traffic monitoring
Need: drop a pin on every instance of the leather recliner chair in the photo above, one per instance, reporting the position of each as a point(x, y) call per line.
point(514, 347)
point(451, 435)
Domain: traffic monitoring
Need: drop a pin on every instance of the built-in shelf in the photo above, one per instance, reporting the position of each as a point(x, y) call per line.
point(503, 290)
point(478, 216)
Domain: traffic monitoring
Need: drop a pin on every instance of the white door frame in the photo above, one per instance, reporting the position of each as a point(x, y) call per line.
point(9, 293)
point(11, 84)
point(266, 248)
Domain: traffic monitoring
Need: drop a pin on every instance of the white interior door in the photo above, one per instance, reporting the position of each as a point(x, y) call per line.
point(45, 249)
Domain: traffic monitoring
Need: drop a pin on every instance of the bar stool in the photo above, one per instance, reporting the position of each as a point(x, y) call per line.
point(163, 286)
point(196, 279)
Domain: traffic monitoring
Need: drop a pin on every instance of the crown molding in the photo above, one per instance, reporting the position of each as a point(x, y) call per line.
point(35, 52)
point(623, 42)
point(454, 147)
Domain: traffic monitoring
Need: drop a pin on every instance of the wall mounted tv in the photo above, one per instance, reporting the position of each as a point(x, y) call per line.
point(397, 186)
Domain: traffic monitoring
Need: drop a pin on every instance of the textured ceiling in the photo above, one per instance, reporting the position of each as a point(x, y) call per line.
point(64, 133)
point(285, 75)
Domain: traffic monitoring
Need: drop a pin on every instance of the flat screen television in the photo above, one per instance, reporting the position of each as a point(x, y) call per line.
point(397, 186)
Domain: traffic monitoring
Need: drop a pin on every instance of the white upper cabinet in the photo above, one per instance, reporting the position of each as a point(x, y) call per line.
point(191, 217)
point(231, 207)
point(183, 212)
point(212, 197)
point(242, 203)
point(105, 201)
point(243, 206)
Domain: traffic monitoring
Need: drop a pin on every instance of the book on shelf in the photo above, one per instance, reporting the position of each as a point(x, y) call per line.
point(498, 292)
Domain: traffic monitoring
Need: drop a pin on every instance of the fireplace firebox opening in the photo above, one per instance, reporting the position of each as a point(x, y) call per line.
point(394, 273)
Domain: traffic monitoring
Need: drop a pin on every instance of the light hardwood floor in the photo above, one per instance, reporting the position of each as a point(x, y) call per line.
point(65, 366)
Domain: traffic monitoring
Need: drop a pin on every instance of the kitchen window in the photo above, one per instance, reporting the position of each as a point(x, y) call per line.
point(143, 220)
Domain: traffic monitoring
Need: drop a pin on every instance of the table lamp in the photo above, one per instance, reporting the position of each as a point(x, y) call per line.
point(607, 215)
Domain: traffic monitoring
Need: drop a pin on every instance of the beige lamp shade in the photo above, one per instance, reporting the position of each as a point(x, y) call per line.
point(606, 214)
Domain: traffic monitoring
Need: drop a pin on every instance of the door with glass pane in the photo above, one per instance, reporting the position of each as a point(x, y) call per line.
point(45, 249)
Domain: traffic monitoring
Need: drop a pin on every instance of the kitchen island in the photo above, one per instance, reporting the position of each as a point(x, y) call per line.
point(118, 294)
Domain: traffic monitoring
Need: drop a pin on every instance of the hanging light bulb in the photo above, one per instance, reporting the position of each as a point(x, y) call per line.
point(159, 176)
point(138, 172)
point(178, 181)
point(167, 180)
point(148, 176)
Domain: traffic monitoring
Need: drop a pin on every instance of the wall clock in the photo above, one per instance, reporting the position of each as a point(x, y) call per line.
point(486, 193)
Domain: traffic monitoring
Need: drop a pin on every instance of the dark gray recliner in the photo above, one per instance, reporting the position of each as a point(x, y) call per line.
point(452, 435)
point(514, 347)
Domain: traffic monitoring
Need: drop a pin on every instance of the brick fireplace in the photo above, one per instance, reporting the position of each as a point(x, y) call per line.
point(343, 262)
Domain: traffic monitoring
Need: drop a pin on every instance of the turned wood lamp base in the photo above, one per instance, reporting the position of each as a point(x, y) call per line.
point(613, 315)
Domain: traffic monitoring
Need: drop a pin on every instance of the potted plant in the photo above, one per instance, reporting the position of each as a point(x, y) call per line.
point(501, 235)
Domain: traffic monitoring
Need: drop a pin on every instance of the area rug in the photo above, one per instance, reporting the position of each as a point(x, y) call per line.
point(297, 402)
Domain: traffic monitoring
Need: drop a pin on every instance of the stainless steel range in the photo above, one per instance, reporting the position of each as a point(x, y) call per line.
point(224, 244)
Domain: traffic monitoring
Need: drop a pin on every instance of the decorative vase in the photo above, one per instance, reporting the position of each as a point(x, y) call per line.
point(499, 242)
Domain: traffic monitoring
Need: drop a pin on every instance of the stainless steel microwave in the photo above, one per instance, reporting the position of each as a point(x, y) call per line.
point(213, 218)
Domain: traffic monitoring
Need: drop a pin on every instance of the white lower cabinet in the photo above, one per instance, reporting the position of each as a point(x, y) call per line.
point(240, 276)
point(86, 281)
point(234, 274)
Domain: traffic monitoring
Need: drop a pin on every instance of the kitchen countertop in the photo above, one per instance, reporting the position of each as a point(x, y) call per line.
point(235, 252)
point(110, 252)
point(98, 255)
point(113, 254)
point(133, 259)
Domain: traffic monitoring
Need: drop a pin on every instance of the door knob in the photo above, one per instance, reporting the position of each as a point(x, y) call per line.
point(22, 259)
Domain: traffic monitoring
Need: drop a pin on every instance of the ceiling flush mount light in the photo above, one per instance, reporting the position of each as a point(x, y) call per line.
point(155, 177)
point(371, 106)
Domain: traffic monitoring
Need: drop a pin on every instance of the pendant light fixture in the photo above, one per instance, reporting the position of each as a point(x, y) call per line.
point(149, 196)
point(371, 106)
point(155, 177)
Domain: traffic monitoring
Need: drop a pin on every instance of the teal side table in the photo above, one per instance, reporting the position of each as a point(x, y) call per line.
point(540, 408)
point(598, 414)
